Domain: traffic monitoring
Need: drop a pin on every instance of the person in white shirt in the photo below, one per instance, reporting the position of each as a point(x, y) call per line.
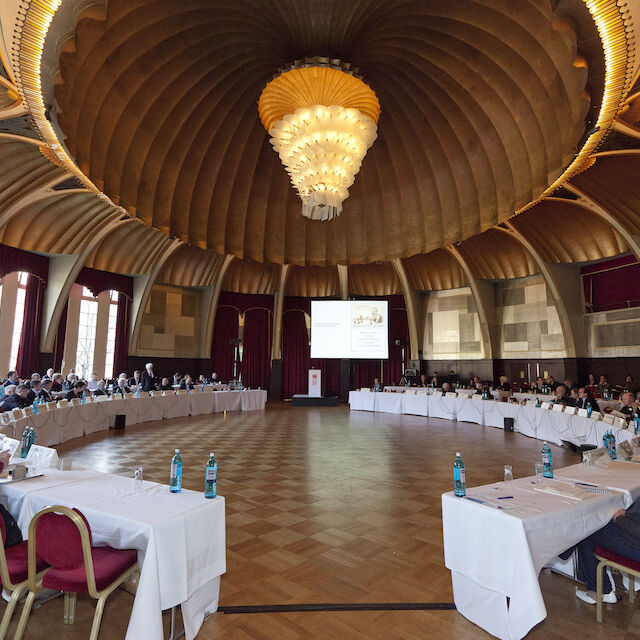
point(92, 384)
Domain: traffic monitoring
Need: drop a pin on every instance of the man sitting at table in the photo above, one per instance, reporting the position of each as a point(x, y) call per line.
point(446, 387)
point(76, 392)
point(377, 385)
point(12, 378)
point(630, 407)
point(214, 378)
point(34, 391)
point(17, 400)
point(101, 389)
point(122, 387)
point(45, 392)
point(602, 385)
point(187, 383)
point(586, 400)
point(621, 536)
point(135, 380)
point(165, 385)
point(57, 382)
point(423, 381)
point(563, 396)
point(503, 385)
point(48, 374)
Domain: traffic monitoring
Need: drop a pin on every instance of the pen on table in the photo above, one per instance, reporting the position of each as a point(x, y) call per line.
point(504, 497)
point(488, 504)
point(585, 484)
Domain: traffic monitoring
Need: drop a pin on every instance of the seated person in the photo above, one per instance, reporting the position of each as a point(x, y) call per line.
point(591, 380)
point(76, 392)
point(35, 376)
point(622, 536)
point(17, 400)
point(135, 380)
point(453, 379)
point(49, 373)
point(101, 389)
point(121, 387)
point(563, 397)
point(630, 407)
point(476, 384)
point(12, 378)
point(629, 385)
point(377, 385)
point(214, 379)
point(552, 384)
point(568, 382)
point(446, 387)
point(586, 400)
point(34, 391)
point(187, 383)
point(537, 386)
point(70, 382)
point(165, 385)
point(58, 381)
point(92, 383)
point(177, 378)
point(603, 384)
point(503, 385)
point(201, 380)
point(45, 392)
point(423, 381)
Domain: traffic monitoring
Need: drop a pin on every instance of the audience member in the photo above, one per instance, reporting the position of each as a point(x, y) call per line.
point(49, 373)
point(562, 396)
point(603, 384)
point(423, 381)
point(76, 391)
point(446, 387)
point(149, 379)
point(101, 389)
point(122, 387)
point(58, 381)
point(17, 400)
point(377, 385)
point(591, 380)
point(187, 383)
point(630, 407)
point(135, 380)
point(12, 378)
point(92, 383)
point(165, 385)
point(586, 400)
point(45, 392)
point(503, 384)
point(34, 391)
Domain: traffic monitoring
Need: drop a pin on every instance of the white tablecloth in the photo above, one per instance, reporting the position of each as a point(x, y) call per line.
point(494, 555)
point(416, 404)
point(180, 538)
point(388, 402)
point(362, 400)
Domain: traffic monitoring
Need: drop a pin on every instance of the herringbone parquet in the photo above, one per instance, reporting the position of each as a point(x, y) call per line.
point(324, 505)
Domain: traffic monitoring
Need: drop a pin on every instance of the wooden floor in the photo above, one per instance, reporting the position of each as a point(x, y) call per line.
point(328, 506)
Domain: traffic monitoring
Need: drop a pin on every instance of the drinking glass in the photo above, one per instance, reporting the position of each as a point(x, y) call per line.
point(508, 473)
point(539, 473)
point(138, 476)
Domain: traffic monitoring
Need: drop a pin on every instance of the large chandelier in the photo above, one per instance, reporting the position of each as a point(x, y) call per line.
point(322, 119)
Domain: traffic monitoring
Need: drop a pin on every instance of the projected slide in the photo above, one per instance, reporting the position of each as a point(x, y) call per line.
point(350, 329)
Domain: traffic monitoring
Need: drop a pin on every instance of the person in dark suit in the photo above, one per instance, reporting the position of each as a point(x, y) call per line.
point(563, 396)
point(187, 383)
point(12, 378)
point(76, 392)
point(135, 380)
point(165, 385)
point(17, 400)
point(45, 392)
point(34, 391)
point(121, 387)
point(149, 379)
point(630, 407)
point(377, 385)
point(586, 400)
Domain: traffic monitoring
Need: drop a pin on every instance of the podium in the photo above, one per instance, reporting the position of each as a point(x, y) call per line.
point(315, 383)
point(314, 397)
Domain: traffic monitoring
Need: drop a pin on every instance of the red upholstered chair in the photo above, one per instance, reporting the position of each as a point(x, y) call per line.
point(62, 537)
point(14, 571)
point(610, 559)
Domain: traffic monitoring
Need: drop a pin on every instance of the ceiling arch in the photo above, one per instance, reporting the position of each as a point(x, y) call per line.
point(435, 270)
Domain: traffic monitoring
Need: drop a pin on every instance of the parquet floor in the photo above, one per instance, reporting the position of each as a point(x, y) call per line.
point(324, 505)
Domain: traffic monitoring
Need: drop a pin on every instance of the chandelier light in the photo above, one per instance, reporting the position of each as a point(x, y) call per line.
point(322, 119)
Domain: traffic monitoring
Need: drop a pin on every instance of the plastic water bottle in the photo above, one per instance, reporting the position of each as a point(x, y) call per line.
point(538, 403)
point(211, 477)
point(138, 393)
point(589, 411)
point(175, 479)
point(24, 444)
point(636, 425)
point(32, 436)
point(611, 446)
point(35, 406)
point(485, 394)
point(459, 483)
point(547, 461)
point(83, 398)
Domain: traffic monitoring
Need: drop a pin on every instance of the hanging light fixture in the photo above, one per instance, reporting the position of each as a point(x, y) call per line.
point(322, 119)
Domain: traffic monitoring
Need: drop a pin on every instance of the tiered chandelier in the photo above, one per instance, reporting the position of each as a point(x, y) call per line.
point(322, 119)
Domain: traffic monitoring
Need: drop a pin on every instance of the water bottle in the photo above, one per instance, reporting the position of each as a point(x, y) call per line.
point(605, 394)
point(138, 393)
point(612, 446)
point(24, 445)
point(83, 398)
point(547, 461)
point(32, 436)
point(459, 483)
point(589, 411)
point(175, 479)
point(636, 425)
point(211, 477)
point(35, 406)
point(538, 403)
point(1, 392)
point(485, 394)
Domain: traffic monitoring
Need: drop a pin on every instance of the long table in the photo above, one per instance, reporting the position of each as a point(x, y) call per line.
point(180, 538)
point(535, 422)
point(495, 555)
point(64, 423)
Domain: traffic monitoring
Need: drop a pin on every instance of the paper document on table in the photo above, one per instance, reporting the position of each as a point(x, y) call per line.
point(562, 489)
point(622, 465)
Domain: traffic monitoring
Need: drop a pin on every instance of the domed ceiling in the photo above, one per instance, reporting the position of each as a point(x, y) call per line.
point(484, 104)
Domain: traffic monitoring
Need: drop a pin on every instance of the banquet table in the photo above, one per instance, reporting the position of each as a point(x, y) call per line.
point(496, 554)
point(180, 538)
point(535, 422)
point(67, 422)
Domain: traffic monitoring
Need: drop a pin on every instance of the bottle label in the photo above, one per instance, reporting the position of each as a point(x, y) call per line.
point(546, 459)
point(174, 469)
point(458, 475)
point(212, 474)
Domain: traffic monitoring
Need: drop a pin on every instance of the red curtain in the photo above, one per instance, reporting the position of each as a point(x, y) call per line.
point(18, 260)
point(330, 369)
point(29, 350)
point(295, 353)
point(398, 330)
point(222, 352)
point(614, 284)
point(98, 281)
point(364, 371)
point(58, 350)
point(256, 348)
point(121, 352)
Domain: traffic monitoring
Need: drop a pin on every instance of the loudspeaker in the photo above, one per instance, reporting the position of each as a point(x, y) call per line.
point(508, 424)
point(120, 421)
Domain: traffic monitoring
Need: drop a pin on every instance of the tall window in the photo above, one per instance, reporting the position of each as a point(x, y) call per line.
point(111, 334)
point(18, 319)
point(86, 333)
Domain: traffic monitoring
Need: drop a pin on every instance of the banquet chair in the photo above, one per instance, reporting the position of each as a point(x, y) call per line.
point(13, 572)
point(610, 559)
point(62, 538)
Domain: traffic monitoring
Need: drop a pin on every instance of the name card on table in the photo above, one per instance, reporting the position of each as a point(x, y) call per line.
point(451, 394)
point(438, 394)
point(156, 394)
point(181, 392)
point(16, 414)
point(545, 405)
point(63, 403)
point(558, 407)
point(583, 413)
point(9, 444)
point(74, 402)
point(531, 403)
point(128, 396)
point(596, 415)
point(621, 423)
point(100, 398)
point(365, 389)
point(570, 410)
point(608, 419)
point(42, 456)
point(27, 411)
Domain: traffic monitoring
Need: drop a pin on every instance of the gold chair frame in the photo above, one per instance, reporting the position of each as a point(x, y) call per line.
point(34, 581)
point(620, 567)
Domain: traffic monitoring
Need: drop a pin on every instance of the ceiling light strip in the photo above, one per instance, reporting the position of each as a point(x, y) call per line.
point(614, 25)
